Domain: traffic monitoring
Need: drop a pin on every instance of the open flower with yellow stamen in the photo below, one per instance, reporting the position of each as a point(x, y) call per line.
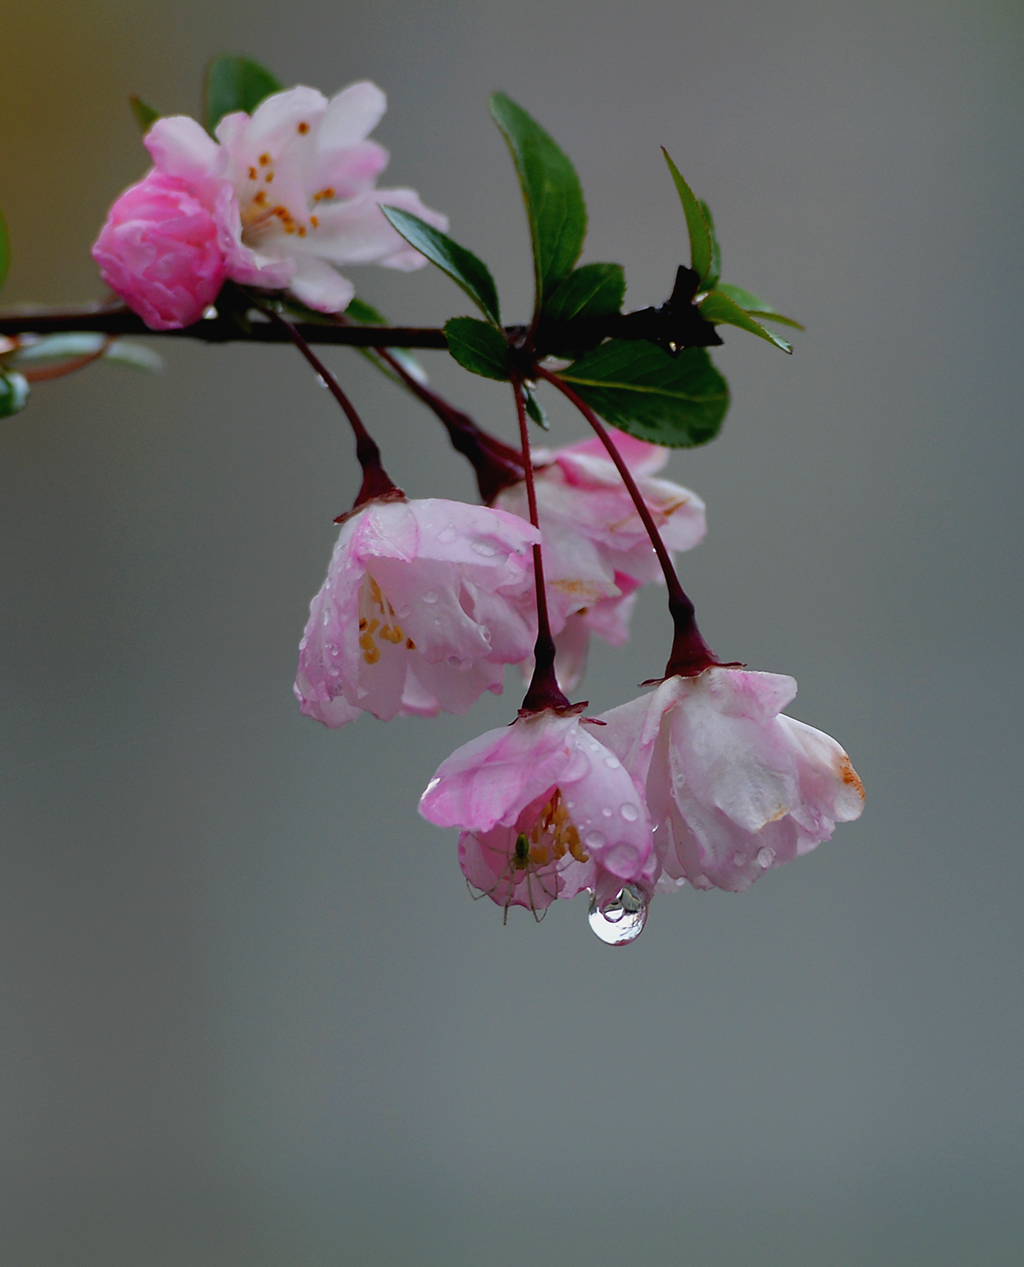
point(546, 811)
point(291, 191)
point(421, 609)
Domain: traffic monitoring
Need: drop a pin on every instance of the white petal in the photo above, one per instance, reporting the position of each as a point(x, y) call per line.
point(351, 115)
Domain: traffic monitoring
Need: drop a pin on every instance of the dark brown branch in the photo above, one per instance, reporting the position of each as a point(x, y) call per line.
point(104, 319)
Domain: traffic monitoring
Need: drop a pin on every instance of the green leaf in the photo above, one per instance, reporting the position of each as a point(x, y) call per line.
point(478, 347)
point(462, 266)
point(675, 400)
point(551, 190)
point(359, 310)
point(145, 115)
point(5, 249)
point(701, 240)
point(595, 290)
point(534, 409)
point(235, 83)
point(61, 347)
point(720, 310)
point(755, 306)
point(13, 393)
point(715, 271)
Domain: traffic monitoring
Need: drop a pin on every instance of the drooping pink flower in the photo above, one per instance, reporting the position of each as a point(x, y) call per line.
point(596, 549)
point(733, 786)
point(292, 192)
point(546, 811)
point(160, 250)
point(421, 609)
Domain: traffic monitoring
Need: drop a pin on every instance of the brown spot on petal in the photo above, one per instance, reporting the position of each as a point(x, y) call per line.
point(850, 776)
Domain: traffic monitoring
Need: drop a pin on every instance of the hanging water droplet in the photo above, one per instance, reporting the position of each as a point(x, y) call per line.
point(447, 535)
point(623, 919)
point(630, 812)
point(765, 856)
point(430, 596)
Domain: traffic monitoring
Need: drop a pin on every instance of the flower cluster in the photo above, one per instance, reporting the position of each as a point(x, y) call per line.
point(703, 779)
point(275, 200)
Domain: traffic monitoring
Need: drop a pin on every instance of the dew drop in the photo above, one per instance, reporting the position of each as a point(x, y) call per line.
point(607, 811)
point(611, 761)
point(430, 596)
point(623, 919)
point(485, 548)
point(594, 839)
point(765, 856)
point(455, 661)
point(447, 535)
point(630, 812)
point(679, 780)
point(739, 859)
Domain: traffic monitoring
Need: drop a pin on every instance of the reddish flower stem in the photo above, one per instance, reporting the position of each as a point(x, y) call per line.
point(690, 654)
point(376, 481)
point(495, 463)
point(544, 691)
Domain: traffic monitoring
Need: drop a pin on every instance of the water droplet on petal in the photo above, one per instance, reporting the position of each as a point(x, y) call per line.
point(594, 839)
point(765, 856)
point(739, 859)
point(623, 919)
point(447, 535)
point(630, 812)
point(456, 661)
point(611, 761)
point(485, 548)
point(430, 596)
point(679, 780)
point(607, 811)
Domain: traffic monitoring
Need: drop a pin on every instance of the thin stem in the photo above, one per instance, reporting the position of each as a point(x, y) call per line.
point(544, 691)
point(376, 481)
point(495, 463)
point(690, 654)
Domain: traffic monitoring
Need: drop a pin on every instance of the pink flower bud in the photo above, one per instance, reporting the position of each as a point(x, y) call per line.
point(159, 251)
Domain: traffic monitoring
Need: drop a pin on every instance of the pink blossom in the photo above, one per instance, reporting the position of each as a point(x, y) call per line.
point(292, 192)
point(733, 787)
point(421, 608)
point(546, 811)
point(596, 549)
point(159, 249)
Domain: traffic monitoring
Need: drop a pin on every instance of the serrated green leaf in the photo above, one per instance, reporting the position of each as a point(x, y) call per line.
point(719, 309)
point(5, 249)
point(756, 307)
point(701, 241)
point(478, 347)
point(594, 290)
point(674, 400)
point(235, 83)
point(534, 409)
point(551, 191)
point(13, 393)
point(145, 115)
point(715, 271)
point(461, 265)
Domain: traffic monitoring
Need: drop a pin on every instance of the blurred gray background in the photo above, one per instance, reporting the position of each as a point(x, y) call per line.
point(248, 1014)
